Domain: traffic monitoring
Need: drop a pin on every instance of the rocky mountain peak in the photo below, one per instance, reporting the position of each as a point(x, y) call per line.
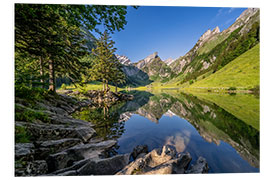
point(147, 60)
point(150, 57)
point(242, 19)
point(208, 34)
point(123, 59)
point(169, 61)
point(247, 14)
point(216, 30)
point(205, 35)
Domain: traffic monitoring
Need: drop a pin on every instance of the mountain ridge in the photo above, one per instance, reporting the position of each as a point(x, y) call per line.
point(212, 51)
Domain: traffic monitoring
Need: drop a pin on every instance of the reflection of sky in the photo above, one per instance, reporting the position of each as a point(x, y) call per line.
point(179, 141)
point(180, 133)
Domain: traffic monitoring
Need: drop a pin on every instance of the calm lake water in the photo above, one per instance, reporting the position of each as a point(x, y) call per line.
point(222, 128)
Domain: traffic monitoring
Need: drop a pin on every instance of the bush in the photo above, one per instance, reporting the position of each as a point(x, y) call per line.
point(29, 115)
point(63, 86)
point(232, 88)
point(21, 135)
point(25, 92)
point(255, 89)
point(191, 82)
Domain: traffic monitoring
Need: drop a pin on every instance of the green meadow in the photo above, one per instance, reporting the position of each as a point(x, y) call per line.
point(241, 73)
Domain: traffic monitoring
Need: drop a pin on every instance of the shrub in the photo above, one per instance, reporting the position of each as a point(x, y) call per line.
point(29, 93)
point(63, 86)
point(21, 135)
point(255, 89)
point(232, 88)
point(29, 115)
point(191, 82)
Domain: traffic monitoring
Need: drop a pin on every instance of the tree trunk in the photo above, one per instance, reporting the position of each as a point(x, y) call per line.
point(41, 72)
point(107, 86)
point(103, 85)
point(51, 76)
point(115, 88)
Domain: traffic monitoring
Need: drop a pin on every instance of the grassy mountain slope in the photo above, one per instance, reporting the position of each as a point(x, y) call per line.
point(243, 72)
point(212, 53)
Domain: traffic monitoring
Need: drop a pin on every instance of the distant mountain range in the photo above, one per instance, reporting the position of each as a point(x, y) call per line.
point(213, 50)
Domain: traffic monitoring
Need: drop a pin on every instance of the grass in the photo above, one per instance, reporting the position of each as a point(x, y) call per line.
point(91, 86)
point(242, 73)
point(243, 106)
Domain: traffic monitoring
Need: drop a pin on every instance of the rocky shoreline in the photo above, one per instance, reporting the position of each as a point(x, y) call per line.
point(59, 145)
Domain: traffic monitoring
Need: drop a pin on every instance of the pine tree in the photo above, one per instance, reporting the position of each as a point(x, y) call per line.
point(118, 76)
point(106, 67)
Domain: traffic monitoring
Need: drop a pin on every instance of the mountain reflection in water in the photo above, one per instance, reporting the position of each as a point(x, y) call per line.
point(191, 124)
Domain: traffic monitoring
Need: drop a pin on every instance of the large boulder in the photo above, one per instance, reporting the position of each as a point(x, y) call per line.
point(164, 160)
point(159, 161)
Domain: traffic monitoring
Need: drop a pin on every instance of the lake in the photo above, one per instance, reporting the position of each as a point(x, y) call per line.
point(222, 128)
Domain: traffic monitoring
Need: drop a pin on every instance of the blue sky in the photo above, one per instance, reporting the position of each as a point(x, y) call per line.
point(170, 31)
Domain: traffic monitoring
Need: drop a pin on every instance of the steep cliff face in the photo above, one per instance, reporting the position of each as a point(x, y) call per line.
point(215, 49)
point(135, 76)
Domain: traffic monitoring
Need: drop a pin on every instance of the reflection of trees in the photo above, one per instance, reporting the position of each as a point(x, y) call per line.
point(105, 120)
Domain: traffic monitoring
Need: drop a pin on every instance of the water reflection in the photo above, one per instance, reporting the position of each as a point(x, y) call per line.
point(189, 123)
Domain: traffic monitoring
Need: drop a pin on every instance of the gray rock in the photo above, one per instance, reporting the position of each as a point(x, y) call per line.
point(68, 173)
point(138, 150)
point(67, 158)
point(199, 167)
point(108, 166)
point(44, 148)
point(41, 132)
point(25, 150)
point(76, 165)
point(62, 119)
point(37, 168)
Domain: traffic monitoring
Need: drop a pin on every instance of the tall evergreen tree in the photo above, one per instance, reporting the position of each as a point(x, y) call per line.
point(117, 76)
point(106, 67)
